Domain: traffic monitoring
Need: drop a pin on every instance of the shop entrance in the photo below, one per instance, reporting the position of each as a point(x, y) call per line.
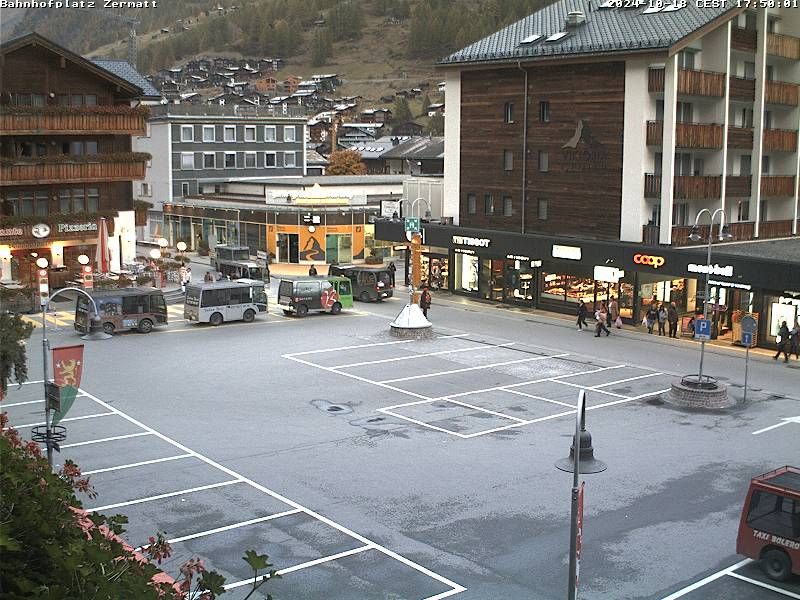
point(338, 249)
point(435, 271)
point(287, 249)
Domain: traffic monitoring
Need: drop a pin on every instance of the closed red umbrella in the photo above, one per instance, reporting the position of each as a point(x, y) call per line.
point(103, 257)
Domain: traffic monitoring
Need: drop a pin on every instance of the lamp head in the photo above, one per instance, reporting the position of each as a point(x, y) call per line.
point(694, 234)
point(42, 262)
point(163, 242)
point(725, 234)
point(181, 246)
point(83, 259)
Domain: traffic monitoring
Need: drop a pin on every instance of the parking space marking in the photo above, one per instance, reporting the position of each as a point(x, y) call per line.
point(105, 414)
point(486, 410)
point(500, 364)
point(455, 588)
point(311, 563)
point(136, 464)
point(107, 439)
point(200, 534)
point(707, 580)
point(162, 496)
point(589, 388)
point(653, 374)
point(542, 398)
point(439, 353)
point(764, 585)
point(23, 403)
point(340, 348)
point(389, 412)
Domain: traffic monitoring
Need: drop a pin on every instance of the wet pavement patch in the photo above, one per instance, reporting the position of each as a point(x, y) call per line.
point(329, 407)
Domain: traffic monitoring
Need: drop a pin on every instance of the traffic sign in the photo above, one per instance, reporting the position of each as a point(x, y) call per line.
point(747, 339)
point(702, 329)
point(412, 224)
point(749, 324)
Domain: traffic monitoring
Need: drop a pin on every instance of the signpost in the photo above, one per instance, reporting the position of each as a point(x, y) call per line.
point(44, 286)
point(412, 224)
point(702, 329)
point(749, 327)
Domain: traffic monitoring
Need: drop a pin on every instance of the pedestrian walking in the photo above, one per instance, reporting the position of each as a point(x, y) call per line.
point(794, 340)
point(392, 270)
point(662, 320)
point(672, 317)
point(182, 278)
point(613, 313)
point(312, 271)
point(782, 339)
point(188, 275)
point(582, 315)
point(651, 317)
point(602, 321)
point(425, 300)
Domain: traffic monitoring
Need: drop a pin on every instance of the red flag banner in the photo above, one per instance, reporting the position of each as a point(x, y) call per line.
point(67, 369)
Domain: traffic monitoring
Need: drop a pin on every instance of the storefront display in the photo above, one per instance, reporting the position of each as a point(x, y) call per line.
point(466, 273)
point(435, 271)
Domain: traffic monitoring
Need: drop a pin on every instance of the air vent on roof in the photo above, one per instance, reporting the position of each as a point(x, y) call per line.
point(531, 39)
point(556, 36)
point(575, 18)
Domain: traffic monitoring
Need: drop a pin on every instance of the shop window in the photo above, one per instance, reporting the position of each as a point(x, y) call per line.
point(466, 273)
point(472, 204)
point(762, 211)
point(508, 206)
point(554, 287)
point(187, 133)
point(544, 161)
point(488, 204)
point(250, 133)
point(249, 160)
point(270, 133)
point(269, 159)
point(508, 112)
point(580, 288)
point(229, 133)
point(208, 133)
point(544, 111)
point(508, 160)
point(541, 209)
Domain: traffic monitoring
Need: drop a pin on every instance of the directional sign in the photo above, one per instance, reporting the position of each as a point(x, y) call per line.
point(702, 329)
point(749, 324)
point(747, 339)
point(412, 224)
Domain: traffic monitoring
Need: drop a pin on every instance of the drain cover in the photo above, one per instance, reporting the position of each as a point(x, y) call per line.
point(334, 408)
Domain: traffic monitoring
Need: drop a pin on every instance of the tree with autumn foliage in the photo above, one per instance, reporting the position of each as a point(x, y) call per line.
point(345, 162)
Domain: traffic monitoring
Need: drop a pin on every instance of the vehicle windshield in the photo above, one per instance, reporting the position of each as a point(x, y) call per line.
point(383, 277)
point(259, 295)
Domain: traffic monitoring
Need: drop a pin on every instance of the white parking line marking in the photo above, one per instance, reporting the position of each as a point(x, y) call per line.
point(489, 366)
point(764, 585)
point(486, 410)
point(200, 534)
point(340, 348)
point(589, 389)
point(709, 579)
point(108, 439)
point(167, 495)
point(240, 478)
point(387, 411)
point(542, 398)
point(34, 401)
point(311, 563)
point(105, 414)
point(32, 382)
point(136, 464)
point(388, 360)
point(594, 387)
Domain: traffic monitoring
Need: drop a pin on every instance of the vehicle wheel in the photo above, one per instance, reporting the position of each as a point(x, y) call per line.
point(108, 328)
point(776, 564)
point(216, 319)
point(288, 313)
point(248, 316)
point(145, 326)
point(336, 308)
point(302, 310)
point(364, 297)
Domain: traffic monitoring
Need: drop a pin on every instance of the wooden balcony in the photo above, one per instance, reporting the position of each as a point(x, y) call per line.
point(701, 136)
point(742, 89)
point(780, 140)
point(701, 83)
point(780, 92)
point(122, 167)
point(777, 186)
point(738, 186)
point(655, 81)
point(740, 137)
point(31, 120)
point(685, 186)
point(740, 231)
point(786, 46)
point(743, 39)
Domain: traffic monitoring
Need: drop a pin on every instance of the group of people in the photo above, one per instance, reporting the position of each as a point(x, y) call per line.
point(212, 276)
point(605, 316)
point(788, 341)
point(662, 314)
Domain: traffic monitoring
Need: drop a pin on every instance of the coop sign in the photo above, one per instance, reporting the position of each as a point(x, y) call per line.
point(726, 271)
point(76, 227)
point(460, 240)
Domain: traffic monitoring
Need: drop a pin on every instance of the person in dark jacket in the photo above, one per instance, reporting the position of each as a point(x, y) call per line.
point(783, 343)
point(312, 271)
point(582, 315)
point(425, 300)
point(794, 340)
point(392, 270)
point(672, 317)
point(651, 317)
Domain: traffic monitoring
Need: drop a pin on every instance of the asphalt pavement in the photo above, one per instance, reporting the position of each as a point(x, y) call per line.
point(371, 467)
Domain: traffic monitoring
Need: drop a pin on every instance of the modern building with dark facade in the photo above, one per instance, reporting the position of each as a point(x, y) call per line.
point(66, 155)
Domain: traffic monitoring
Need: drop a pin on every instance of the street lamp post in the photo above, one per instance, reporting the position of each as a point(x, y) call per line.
point(695, 236)
point(415, 264)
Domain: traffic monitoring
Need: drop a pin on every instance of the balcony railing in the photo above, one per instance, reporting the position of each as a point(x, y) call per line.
point(687, 135)
point(685, 186)
point(780, 140)
point(106, 120)
point(777, 185)
point(690, 82)
point(655, 80)
point(740, 231)
point(120, 167)
point(786, 46)
point(738, 186)
point(743, 39)
point(740, 137)
point(780, 92)
point(742, 88)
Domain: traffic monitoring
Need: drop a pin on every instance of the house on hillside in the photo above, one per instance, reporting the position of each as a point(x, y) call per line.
point(291, 82)
point(376, 115)
point(416, 156)
point(436, 109)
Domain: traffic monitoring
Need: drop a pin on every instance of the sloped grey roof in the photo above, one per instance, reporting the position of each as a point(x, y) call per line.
point(605, 30)
point(122, 68)
point(418, 148)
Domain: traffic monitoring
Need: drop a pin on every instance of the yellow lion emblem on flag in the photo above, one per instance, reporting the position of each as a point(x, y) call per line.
point(68, 372)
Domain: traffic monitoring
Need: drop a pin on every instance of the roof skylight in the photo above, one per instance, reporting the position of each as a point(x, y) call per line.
point(531, 38)
point(556, 36)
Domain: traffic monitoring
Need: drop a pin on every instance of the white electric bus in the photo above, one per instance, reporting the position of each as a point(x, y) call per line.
point(221, 301)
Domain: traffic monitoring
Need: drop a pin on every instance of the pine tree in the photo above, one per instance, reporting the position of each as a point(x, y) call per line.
point(322, 48)
point(401, 111)
point(426, 102)
point(435, 125)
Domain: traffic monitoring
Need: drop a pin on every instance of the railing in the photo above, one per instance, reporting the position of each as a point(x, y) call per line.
point(687, 135)
point(780, 140)
point(685, 186)
point(31, 121)
point(780, 92)
point(743, 39)
point(216, 110)
point(655, 133)
point(777, 185)
point(701, 83)
point(787, 46)
point(739, 231)
point(775, 229)
point(738, 186)
point(650, 235)
point(740, 137)
point(652, 185)
point(742, 88)
point(77, 172)
point(655, 80)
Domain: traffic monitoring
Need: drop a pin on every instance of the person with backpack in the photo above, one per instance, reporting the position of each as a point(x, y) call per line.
point(602, 321)
point(425, 300)
point(782, 339)
point(651, 317)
